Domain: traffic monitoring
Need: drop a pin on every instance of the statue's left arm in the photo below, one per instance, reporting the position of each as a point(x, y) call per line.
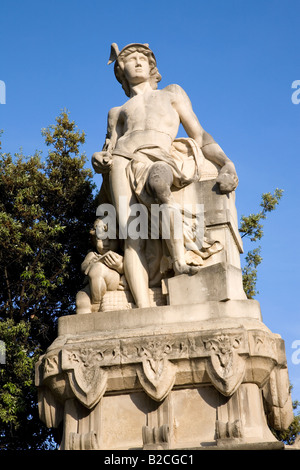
point(227, 178)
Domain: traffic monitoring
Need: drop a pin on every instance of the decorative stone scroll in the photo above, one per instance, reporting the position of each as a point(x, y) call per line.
point(156, 438)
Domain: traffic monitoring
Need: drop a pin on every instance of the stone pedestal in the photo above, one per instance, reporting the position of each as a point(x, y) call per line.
point(206, 375)
point(198, 370)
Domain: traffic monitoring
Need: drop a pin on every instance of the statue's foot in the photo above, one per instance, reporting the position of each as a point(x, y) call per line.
point(183, 268)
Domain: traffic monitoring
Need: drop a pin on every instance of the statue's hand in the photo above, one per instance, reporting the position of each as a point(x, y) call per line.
point(227, 179)
point(101, 162)
point(113, 261)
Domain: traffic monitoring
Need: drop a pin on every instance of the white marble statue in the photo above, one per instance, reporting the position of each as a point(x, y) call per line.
point(140, 155)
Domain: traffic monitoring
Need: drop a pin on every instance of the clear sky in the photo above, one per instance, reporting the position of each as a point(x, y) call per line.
point(236, 59)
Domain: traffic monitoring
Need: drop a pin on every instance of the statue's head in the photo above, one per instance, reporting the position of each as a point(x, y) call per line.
point(99, 237)
point(119, 57)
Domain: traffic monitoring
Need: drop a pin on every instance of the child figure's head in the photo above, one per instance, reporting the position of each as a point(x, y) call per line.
point(100, 240)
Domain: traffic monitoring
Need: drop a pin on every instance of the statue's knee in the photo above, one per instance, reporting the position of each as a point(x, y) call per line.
point(83, 301)
point(97, 270)
point(160, 180)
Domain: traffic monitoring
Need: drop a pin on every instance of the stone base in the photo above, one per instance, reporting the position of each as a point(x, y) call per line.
point(203, 376)
point(189, 418)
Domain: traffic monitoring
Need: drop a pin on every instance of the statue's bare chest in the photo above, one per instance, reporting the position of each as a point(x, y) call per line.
point(149, 110)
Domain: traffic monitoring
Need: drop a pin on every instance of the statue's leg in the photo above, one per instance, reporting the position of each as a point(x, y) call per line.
point(135, 265)
point(97, 282)
point(83, 300)
point(136, 271)
point(160, 180)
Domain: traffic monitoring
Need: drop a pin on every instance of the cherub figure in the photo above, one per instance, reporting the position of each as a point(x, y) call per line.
point(103, 269)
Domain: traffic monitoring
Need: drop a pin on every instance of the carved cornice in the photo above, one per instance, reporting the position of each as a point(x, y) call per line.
point(223, 354)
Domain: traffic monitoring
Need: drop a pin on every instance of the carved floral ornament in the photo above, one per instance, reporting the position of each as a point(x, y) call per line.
point(225, 366)
point(157, 359)
point(87, 379)
point(158, 374)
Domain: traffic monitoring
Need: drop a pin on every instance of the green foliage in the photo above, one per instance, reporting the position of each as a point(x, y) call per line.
point(253, 259)
point(46, 211)
point(252, 228)
point(16, 375)
point(289, 436)
point(19, 425)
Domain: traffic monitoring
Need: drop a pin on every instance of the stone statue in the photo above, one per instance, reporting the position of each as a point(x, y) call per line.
point(138, 154)
point(170, 353)
point(103, 269)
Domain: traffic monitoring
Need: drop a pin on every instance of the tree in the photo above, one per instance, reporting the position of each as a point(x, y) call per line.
point(19, 426)
point(252, 228)
point(46, 211)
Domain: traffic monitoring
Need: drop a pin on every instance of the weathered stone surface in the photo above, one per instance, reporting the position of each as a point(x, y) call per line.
point(217, 282)
point(237, 358)
point(157, 319)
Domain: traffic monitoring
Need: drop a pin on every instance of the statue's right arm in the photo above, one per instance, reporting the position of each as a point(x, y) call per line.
point(113, 129)
point(102, 161)
point(227, 178)
point(90, 257)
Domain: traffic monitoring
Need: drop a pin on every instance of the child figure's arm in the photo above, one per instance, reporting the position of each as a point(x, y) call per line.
point(90, 258)
point(114, 261)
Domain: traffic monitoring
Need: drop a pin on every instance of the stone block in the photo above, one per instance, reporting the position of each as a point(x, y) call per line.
point(219, 282)
point(220, 219)
point(166, 319)
point(219, 208)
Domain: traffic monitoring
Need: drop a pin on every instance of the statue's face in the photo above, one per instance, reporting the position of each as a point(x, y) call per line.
point(136, 68)
point(103, 243)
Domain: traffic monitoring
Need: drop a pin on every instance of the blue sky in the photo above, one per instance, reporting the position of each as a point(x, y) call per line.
point(236, 59)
